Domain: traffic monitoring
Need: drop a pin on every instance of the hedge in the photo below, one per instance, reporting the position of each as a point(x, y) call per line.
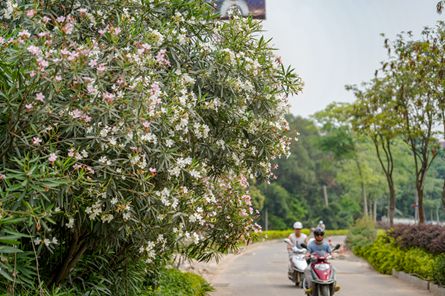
point(174, 282)
point(282, 234)
point(385, 255)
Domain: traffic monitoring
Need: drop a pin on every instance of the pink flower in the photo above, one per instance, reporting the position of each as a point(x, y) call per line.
point(34, 50)
point(108, 97)
point(68, 28)
point(2, 40)
point(76, 113)
point(58, 78)
point(60, 19)
point(153, 171)
point(32, 74)
point(40, 97)
point(146, 124)
point(42, 63)
point(45, 19)
point(91, 89)
point(117, 31)
point(83, 11)
point(92, 63)
point(101, 68)
point(2, 177)
point(28, 107)
point(30, 13)
point(71, 152)
point(161, 58)
point(52, 158)
point(24, 34)
point(155, 89)
point(36, 141)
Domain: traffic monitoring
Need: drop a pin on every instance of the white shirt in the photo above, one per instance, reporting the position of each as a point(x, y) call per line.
point(297, 241)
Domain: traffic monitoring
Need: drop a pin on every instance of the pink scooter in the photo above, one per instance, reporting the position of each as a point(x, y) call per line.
point(323, 275)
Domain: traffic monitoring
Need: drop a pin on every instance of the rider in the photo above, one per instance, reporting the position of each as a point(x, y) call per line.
point(318, 245)
point(297, 238)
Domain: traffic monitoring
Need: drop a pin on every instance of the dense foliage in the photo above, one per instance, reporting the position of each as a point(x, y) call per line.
point(431, 238)
point(363, 233)
point(128, 132)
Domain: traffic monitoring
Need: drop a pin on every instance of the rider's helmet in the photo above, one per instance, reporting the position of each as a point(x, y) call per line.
point(298, 225)
point(319, 231)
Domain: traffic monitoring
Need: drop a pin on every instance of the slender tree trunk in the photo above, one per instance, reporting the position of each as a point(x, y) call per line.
point(443, 195)
point(362, 186)
point(392, 201)
point(375, 211)
point(420, 207)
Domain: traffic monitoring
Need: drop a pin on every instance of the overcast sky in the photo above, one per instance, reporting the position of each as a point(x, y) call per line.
point(332, 43)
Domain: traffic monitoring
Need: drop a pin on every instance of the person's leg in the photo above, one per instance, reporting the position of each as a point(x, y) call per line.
point(307, 275)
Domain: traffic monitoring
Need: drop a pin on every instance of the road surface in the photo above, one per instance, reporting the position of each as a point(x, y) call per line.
point(262, 270)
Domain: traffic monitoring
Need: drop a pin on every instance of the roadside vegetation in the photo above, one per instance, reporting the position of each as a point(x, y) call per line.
point(415, 249)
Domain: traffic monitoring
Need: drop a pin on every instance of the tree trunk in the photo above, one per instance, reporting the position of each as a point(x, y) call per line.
point(365, 200)
point(374, 211)
point(420, 208)
point(362, 185)
point(392, 202)
point(77, 249)
point(443, 195)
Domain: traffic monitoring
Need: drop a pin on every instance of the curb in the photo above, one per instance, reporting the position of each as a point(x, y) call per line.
point(419, 283)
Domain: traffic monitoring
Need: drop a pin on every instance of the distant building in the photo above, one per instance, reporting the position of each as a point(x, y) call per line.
point(253, 8)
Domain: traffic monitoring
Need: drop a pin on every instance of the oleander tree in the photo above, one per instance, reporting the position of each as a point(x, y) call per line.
point(129, 130)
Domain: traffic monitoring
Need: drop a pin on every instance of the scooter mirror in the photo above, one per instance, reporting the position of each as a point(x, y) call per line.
point(287, 241)
point(303, 245)
point(337, 247)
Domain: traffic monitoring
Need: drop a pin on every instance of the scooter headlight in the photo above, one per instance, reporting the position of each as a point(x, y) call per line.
point(322, 267)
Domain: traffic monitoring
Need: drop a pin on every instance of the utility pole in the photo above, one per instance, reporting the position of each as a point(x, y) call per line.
point(266, 221)
point(325, 194)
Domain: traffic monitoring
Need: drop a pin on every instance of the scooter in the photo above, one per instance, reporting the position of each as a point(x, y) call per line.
point(323, 275)
point(298, 264)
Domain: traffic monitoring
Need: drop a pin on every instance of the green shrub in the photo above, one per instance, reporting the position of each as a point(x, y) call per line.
point(174, 282)
point(384, 255)
point(362, 233)
point(439, 268)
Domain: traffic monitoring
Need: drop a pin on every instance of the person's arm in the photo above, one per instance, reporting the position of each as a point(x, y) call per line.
point(289, 247)
point(328, 248)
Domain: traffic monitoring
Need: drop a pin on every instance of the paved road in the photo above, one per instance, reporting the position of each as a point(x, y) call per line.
point(262, 270)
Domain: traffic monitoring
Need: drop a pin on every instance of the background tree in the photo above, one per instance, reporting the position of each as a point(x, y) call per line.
point(372, 116)
point(412, 77)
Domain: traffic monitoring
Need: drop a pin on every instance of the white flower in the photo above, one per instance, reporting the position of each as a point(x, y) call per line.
point(114, 201)
point(37, 241)
point(103, 160)
point(195, 174)
point(54, 241)
point(70, 223)
point(126, 216)
point(47, 242)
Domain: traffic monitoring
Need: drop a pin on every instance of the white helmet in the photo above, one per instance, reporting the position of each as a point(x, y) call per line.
point(298, 225)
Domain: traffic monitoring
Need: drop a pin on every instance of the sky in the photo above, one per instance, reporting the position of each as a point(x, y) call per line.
point(332, 43)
